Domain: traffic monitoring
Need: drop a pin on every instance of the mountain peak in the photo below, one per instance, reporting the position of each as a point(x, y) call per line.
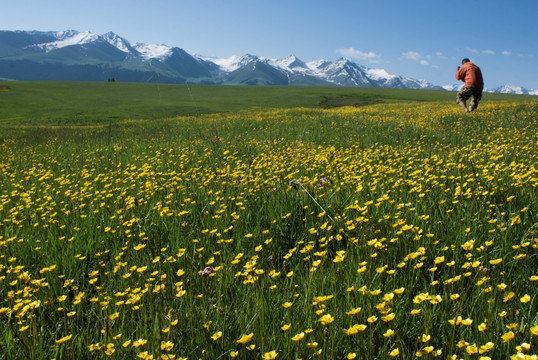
point(292, 62)
point(117, 41)
point(92, 57)
point(153, 51)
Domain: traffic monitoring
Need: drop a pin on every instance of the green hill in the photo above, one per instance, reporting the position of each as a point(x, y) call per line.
point(103, 102)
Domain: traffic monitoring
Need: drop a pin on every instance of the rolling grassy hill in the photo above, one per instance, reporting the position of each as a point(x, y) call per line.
point(96, 102)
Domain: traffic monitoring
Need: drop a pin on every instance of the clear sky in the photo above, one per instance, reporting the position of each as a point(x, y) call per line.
point(413, 38)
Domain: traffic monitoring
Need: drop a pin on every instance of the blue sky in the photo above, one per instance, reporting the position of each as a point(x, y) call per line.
point(415, 38)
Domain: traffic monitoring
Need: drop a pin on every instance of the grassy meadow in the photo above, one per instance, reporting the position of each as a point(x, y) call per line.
point(203, 222)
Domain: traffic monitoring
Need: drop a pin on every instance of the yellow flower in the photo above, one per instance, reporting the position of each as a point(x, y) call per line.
point(110, 349)
point(425, 338)
point(94, 347)
point(508, 336)
point(326, 319)
point(233, 354)
point(388, 333)
point(64, 339)
point(523, 347)
point(471, 349)
point(534, 330)
point(372, 319)
point(388, 317)
point(270, 355)
point(353, 311)
point(354, 329)
point(167, 345)
point(140, 342)
point(486, 347)
point(482, 327)
point(496, 261)
point(508, 296)
point(467, 322)
point(351, 356)
point(245, 338)
point(394, 352)
point(286, 327)
point(145, 355)
point(216, 336)
point(298, 337)
point(168, 357)
point(525, 299)
point(139, 247)
point(287, 304)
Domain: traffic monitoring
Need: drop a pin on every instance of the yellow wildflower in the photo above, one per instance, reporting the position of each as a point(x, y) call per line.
point(64, 339)
point(245, 338)
point(394, 352)
point(326, 319)
point(508, 336)
point(270, 355)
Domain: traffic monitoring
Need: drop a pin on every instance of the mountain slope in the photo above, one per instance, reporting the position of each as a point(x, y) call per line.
point(73, 55)
point(85, 56)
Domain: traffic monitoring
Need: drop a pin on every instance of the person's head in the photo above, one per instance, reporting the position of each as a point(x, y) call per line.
point(465, 61)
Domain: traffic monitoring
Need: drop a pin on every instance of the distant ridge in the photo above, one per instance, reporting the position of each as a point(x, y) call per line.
point(505, 89)
point(84, 56)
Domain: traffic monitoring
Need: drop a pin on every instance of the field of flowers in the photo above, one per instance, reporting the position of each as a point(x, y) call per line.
point(404, 230)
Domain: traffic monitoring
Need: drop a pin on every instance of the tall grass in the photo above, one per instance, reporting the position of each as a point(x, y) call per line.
point(396, 230)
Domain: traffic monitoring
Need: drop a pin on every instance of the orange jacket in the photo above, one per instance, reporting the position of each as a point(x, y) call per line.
point(471, 75)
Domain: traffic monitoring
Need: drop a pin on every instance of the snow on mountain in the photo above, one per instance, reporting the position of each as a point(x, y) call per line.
point(378, 74)
point(153, 51)
point(227, 64)
point(341, 72)
point(231, 63)
point(291, 64)
point(504, 89)
point(452, 87)
point(69, 38)
point(509, 89)
point(118, 42)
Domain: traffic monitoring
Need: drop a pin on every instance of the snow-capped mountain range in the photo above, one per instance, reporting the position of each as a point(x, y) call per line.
point(74, 55)
point(505, 89)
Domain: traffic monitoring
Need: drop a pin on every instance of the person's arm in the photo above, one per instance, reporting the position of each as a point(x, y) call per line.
point(460, 74)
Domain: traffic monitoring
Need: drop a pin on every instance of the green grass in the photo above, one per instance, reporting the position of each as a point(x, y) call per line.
point(60, 103)
point(108, 219)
